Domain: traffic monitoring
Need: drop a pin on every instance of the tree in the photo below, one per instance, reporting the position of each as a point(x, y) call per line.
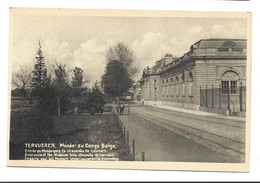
point(21, 79)
point(116, 79)
point(42, 89)
point(123, 54)
point(79, 80)
point(40, 80)
point(61, 87)
point(95, 99)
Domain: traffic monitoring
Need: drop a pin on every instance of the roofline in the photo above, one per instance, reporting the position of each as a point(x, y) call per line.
point(219, 39)
point(175, 58)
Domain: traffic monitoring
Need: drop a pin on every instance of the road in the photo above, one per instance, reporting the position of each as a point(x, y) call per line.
point(166, 135)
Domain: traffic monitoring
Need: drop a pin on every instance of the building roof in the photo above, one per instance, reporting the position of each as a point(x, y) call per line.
point(217, 43)
point(168, 58)
point(217, 48)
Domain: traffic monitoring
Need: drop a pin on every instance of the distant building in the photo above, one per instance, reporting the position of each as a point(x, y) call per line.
point(137, 91)
point(209, 77)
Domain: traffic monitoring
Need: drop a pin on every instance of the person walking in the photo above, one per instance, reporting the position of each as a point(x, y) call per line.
point(122, 109)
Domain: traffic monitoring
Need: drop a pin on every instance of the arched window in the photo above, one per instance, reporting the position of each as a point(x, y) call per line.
point(171, 80)
point(177, 79)
point(229, 82)
point(182, 77)
point(190, 76)
point(228, 44)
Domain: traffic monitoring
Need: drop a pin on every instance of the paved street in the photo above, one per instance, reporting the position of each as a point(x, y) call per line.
point(167, 135)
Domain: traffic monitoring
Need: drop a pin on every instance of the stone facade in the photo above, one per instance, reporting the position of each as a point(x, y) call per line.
point(210, 62)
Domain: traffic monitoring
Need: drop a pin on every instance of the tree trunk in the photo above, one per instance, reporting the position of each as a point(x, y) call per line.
point(58, 100)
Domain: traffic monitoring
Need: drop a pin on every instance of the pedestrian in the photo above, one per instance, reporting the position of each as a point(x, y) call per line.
point(121, 109)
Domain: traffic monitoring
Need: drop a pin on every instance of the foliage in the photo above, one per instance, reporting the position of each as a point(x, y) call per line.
point(95, 100)
point(41, 83)
point(61, 86)
point(123, 54)
point(40, 80)
point(116, 79)
point(79, 80)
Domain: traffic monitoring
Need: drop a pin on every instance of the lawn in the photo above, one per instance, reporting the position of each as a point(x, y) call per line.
point(73, 128)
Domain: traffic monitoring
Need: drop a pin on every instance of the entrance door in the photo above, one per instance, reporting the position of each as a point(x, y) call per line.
point(230, 91)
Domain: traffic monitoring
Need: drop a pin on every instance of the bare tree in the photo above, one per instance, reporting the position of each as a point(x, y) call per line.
point(122, 53)
point(22, 78)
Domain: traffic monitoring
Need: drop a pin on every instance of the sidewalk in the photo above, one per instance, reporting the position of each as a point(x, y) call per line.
point(199, 113)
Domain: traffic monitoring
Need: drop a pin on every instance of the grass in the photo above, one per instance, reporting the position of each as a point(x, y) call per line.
point(81, 128)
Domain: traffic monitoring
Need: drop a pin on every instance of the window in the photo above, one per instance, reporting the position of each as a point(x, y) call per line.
point(227, 84)
point(177, 90)
point(163, 90)
point(237, 49)
point(223, 49)
point(154, 82)
point(155, 93)
point(190, 76)
point(225, 87)
point(233, 87)
point(183, 77)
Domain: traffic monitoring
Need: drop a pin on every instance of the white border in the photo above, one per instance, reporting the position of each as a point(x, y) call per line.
point(47, 174)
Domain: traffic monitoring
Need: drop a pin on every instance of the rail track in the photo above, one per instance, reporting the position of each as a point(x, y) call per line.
point(213, 141)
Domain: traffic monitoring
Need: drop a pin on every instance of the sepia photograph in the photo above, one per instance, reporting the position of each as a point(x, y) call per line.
point(129, 89)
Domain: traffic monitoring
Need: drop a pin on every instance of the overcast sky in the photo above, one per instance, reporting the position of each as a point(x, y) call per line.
point(84, 41)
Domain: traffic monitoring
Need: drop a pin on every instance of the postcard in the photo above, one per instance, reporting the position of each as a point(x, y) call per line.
point(129, 89)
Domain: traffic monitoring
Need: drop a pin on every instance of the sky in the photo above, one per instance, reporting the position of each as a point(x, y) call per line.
point(83, 41)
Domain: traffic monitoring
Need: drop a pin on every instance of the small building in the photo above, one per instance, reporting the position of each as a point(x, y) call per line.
point(210, 77)
point(137, 91)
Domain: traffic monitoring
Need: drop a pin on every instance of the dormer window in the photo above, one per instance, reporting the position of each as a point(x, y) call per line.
point(226, 46)
point(229, 44)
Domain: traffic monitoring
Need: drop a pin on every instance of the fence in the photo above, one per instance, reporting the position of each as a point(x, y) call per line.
point(125, 135)
point(226, 98)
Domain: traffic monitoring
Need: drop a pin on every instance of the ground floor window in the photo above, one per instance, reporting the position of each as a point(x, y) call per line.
point(229, 82)
point(225, 87)
point(233, 87)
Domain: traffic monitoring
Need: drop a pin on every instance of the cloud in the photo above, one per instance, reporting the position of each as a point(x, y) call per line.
point(152, 47)
point(90, 56)
point(234, 30)
point(56, 50)
point(23, 54)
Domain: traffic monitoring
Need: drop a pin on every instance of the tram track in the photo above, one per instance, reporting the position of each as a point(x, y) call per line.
point(206, 119)
point(216, 142)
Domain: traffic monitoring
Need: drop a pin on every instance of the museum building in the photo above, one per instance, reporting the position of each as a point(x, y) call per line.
point(210, 77)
